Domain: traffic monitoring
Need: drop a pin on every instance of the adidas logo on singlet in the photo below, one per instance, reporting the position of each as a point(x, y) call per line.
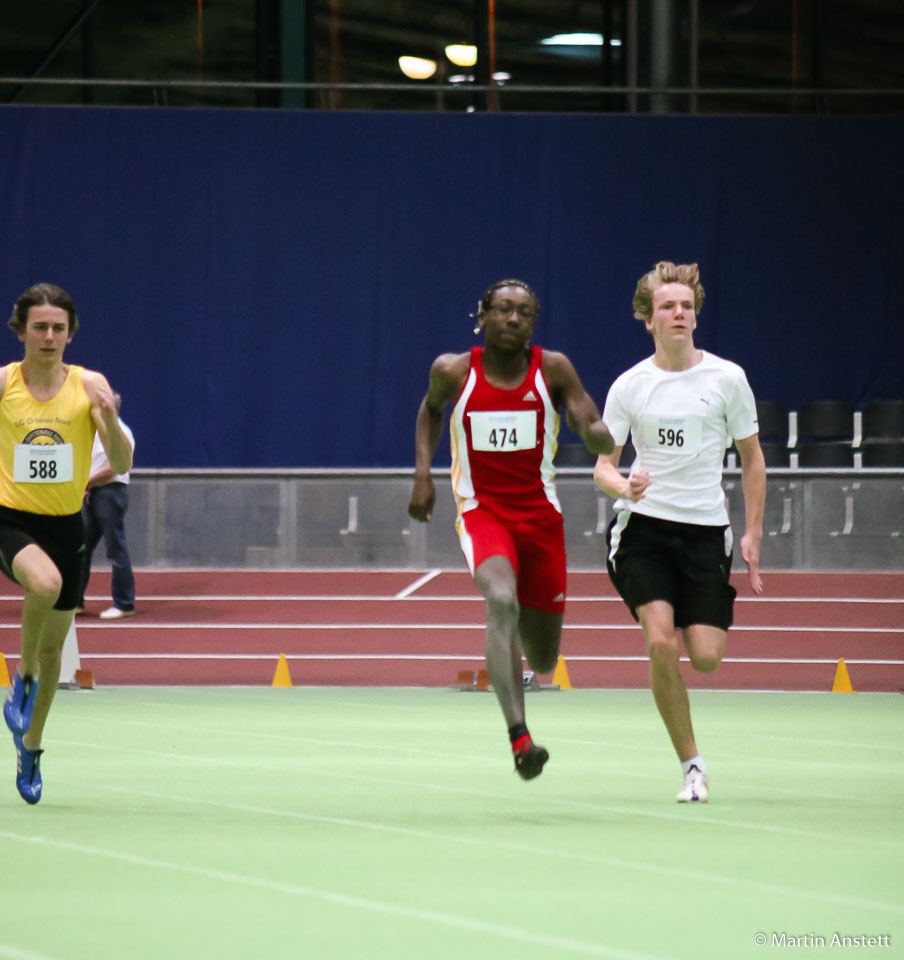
point(530, 395)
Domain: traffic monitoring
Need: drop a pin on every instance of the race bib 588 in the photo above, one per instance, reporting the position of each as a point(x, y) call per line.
point(42, 463)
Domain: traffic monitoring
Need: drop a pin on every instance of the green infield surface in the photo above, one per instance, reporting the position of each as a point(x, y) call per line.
point(252, 822)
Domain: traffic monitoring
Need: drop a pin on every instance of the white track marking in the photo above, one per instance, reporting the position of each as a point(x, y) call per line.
point(479, 730)
point(405, 594)
point(431, 917)
point(709, 820)
point(426, 578)
point(681, 874)
point(474, 656)
point(138, 624)
point(9, 952)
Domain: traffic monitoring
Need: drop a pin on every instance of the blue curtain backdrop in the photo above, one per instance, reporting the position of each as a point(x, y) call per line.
point(269, 288)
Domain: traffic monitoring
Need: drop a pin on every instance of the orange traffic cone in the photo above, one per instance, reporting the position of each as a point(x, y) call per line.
point(560, 675)
point(282, 678)
point(842, 682)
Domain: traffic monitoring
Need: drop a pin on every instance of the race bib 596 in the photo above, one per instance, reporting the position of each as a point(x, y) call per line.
point(672, 434)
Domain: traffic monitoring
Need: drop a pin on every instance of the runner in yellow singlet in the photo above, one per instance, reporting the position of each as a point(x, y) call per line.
point(49, 413)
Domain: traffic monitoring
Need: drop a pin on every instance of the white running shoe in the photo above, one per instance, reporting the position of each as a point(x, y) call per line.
point(115, 613)
point(696, 787)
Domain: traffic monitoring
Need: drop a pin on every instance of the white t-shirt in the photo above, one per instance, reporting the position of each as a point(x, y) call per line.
point(680, 423)
point(99, 456)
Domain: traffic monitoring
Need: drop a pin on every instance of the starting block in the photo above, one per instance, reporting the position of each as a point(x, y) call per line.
point(468, 680)
point(532, 682)
point(465, 681)
point(72, 676)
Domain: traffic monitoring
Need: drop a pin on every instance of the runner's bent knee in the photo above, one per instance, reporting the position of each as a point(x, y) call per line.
point(501, 598)
point(43, 584)
point(542, 660)
point(661, 647)
point(705, 662)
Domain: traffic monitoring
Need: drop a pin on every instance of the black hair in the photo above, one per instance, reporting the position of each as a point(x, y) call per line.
point(488, 296)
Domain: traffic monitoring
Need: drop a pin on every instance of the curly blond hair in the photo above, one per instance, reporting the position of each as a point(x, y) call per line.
point(666, 272)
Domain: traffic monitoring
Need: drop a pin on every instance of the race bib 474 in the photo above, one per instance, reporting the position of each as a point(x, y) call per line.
point(503, 431)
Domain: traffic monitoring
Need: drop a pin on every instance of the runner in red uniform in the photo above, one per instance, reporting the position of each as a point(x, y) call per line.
point(504, 427)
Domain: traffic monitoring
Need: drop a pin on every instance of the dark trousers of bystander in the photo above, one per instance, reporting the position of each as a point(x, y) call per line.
point(104, 516)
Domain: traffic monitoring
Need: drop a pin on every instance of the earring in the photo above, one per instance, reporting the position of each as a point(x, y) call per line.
point(476, 329)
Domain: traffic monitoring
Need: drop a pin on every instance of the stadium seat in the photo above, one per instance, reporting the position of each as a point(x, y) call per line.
point(772, 419)
point(825, 420)
point(776, 454)
point(825, 434)
point(830, 454)
point(880, 453)
point(884, 420)
point(883, 434)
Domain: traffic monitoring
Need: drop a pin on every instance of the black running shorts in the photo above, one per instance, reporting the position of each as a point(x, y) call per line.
point(686, 564)
point(61, 538)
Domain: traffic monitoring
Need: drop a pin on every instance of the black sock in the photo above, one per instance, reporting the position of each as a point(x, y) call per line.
point(518, 731)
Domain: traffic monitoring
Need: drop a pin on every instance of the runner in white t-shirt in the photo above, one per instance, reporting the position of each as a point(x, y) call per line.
point(670, 543)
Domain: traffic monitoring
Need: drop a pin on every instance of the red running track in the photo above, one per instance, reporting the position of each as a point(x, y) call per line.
point(403, 627)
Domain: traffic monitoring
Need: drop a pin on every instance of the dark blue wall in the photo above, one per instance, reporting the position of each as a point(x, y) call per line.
point(268, 288)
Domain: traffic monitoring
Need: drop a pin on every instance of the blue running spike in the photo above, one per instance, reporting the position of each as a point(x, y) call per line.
point(28, 771)
point(20, 702)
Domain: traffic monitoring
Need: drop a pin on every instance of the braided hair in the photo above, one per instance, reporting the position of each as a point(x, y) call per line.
point(485, 300)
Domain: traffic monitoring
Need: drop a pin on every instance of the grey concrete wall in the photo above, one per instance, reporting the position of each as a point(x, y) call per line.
point(815, 520)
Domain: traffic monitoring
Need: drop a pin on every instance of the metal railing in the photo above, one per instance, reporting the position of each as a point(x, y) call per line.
point(814, 519)
point(690, 95)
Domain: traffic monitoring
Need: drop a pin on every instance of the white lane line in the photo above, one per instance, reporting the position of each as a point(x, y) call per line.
point(9, 952)
point(405, 594)
point(138, 624)
point(682, 874)
point(706, 820)
point(433, 917)
point(479, 731)
point(475, 656)
point(412, 587)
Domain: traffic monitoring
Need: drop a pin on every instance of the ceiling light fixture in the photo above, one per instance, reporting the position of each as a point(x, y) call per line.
point(578, 40)
point(462, 54)
point(417, 68)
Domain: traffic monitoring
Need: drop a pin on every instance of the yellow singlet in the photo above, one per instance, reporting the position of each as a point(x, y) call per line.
point(45, 446)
